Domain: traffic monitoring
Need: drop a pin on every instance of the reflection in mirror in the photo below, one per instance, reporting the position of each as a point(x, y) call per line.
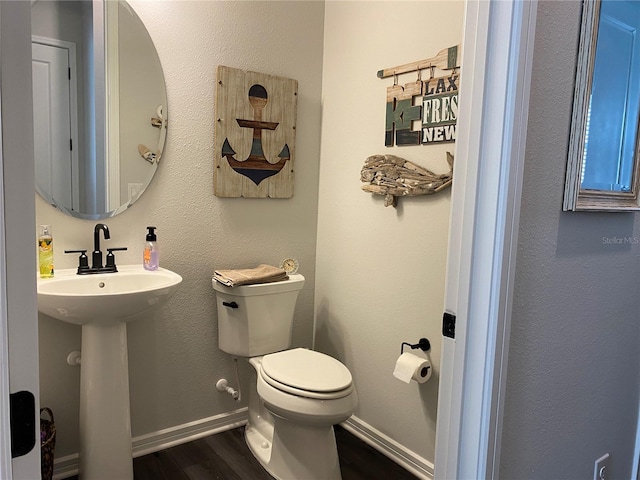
point(602, 171)
point(100, 113)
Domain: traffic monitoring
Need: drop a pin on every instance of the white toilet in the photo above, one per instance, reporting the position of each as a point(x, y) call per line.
point(297, 395)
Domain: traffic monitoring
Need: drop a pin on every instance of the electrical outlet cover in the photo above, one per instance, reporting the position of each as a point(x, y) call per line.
point(600, 470)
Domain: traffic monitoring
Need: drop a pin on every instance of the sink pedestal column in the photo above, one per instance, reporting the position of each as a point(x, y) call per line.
point(105, 422)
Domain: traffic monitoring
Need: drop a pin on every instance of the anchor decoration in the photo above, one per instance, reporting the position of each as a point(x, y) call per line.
point(256, 167)
point(254, 137)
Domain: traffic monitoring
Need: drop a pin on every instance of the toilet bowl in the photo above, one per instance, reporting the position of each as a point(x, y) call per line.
point(295, 395)
point(301, 395)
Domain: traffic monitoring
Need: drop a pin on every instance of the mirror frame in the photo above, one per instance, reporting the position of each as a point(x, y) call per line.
point(575, 198)
point(111, 141)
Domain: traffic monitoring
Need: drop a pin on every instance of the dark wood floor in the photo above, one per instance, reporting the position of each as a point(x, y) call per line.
point(225, 456)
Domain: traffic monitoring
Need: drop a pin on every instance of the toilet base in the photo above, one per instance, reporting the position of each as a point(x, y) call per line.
point(259, 445)
point(296, 452)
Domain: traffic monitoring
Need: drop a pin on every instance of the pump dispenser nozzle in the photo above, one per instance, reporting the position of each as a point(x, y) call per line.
point(151, 235)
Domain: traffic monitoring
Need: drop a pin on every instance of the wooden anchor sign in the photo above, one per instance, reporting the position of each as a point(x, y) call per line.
point(256, 167)
point(254, 136)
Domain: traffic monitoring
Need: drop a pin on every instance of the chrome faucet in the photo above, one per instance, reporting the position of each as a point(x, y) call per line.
point(96, 255)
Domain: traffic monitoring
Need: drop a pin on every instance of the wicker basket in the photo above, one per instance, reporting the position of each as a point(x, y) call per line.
point(47, 443)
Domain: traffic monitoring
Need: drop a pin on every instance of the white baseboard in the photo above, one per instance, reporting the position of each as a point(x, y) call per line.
point(170, 437)
point(67, 466)
point(404, 457)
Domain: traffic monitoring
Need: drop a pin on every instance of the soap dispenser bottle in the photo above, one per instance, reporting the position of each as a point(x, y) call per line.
point(151, 254)
point(45, 251)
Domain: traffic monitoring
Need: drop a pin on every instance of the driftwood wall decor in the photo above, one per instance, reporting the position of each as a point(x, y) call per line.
point(254, 136)
point(394, 177)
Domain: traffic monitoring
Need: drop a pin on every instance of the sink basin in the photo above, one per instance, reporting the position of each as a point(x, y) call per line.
point(105, 297)
point(103, 304)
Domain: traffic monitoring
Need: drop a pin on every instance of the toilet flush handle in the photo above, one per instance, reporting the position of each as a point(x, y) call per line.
point(230, 304)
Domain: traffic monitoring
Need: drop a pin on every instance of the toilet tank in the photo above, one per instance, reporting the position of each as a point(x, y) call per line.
point(256, 319)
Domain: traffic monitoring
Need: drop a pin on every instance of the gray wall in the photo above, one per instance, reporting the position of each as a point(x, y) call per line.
point(574, 358)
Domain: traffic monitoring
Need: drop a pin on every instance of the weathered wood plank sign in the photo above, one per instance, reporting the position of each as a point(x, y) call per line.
point(393, 177)
point(254, 135)
point(433, 102)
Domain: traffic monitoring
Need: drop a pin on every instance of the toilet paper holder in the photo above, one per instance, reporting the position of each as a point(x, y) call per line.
point(422, 344)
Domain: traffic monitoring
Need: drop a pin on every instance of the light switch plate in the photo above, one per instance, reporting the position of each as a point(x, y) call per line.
point(134, 189)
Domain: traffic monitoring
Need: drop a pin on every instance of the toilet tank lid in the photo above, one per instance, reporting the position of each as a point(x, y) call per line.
point(307, 370)
point(294, 282)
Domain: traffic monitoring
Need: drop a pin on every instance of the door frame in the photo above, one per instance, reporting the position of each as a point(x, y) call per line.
point(18, 310)
point(485, 205)
point(5, 391)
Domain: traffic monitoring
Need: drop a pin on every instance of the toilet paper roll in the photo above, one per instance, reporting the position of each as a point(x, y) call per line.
point(412, 367)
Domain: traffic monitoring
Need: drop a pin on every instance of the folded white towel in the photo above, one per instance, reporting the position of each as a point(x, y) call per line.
point(248, 276)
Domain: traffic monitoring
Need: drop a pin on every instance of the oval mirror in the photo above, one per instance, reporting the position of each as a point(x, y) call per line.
point(602, 168)
point(100, 106)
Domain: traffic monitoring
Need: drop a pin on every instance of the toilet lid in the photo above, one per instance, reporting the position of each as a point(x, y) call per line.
point(307, 370)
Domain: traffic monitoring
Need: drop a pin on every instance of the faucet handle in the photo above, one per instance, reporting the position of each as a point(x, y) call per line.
point(83, 260)
point(111, 258)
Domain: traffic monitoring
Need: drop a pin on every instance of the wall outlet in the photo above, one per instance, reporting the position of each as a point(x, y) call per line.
point(601, 468)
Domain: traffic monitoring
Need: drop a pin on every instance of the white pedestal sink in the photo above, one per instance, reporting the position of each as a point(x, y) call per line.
point(103, 304)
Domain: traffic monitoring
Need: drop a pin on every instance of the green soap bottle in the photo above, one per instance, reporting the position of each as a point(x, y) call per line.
point(45, 251)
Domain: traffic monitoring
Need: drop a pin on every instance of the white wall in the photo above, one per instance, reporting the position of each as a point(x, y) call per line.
point(380, 271)
point(173, 356)
point(572, 390)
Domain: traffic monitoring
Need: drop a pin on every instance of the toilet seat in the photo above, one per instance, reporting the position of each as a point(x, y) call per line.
point(307, 373)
